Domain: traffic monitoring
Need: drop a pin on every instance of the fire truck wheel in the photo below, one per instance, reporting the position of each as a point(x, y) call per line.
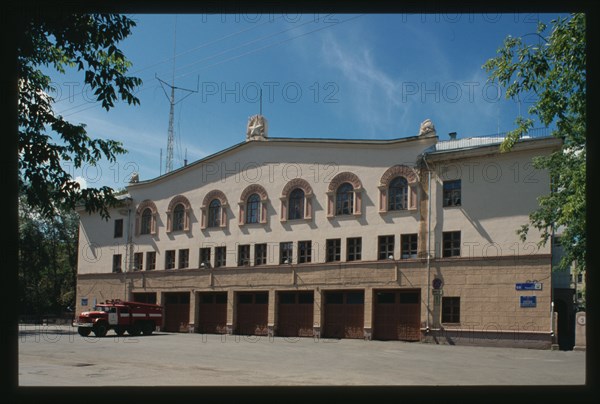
point(100, 330)
point(84, 331)
point(148, 328)
point(134, 330)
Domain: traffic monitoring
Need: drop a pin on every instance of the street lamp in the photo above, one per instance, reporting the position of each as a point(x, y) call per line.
point(397, 274)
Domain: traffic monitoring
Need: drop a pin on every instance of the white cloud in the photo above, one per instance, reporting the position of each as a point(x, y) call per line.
point(81, 181)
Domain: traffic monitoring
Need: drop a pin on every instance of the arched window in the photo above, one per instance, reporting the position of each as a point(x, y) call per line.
point(178, 214)
point(344, 199)
point(253, 209)
point(253, 205)
point(398, 194)
point(398, 189)
point(146, 224)
point(214, 213)
point(178, 217)
point(296, 205)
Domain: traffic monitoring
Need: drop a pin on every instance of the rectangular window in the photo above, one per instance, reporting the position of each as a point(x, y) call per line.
point(220, 256)
point(334, 250)
point(184, 258)
point(205, 257)
point(409, 245)
point(450, 309)
point(386, 247)
point(285, 252)
point(353, 248)
point(451, 244)
point(243, 255)
point(117, 263)
point(260, 254)
point(169, 259)
point(304, 251)
point(118, 228)
point(452, 193)
point(150, 260)
point(138, 261)
point(579, 277)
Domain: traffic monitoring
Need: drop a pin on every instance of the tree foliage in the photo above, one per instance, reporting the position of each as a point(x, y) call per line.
point(553, 68)
point(47, 263)
point(85, 42)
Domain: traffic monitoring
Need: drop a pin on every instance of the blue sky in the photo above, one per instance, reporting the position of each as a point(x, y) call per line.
point(336, 76)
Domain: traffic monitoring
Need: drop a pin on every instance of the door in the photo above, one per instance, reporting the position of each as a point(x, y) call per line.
point(295, 314)
point(397, 314)
point(344, 314)
point(177, 311)
point(252, 313)
point(212, 313)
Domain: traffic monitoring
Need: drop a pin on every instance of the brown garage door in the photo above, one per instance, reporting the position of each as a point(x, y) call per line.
point(295, 314)
point(397, 315)
point(252, 313)
point(344, 314)
point(212, 313)
point(177, 311)
point(144, 297)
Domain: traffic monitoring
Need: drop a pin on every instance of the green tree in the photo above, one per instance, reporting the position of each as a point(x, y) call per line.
point(86, 42)
point(553, 68)
point(47, 262)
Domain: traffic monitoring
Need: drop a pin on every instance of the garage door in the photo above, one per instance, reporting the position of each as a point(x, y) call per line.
point(344, 314)
point(397, 315)
point(212, 313)
point(144, 297)
point(252, 313)
point(177, 311)
point(295, 314)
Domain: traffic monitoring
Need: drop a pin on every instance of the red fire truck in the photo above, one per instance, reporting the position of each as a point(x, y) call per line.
point(133, 317)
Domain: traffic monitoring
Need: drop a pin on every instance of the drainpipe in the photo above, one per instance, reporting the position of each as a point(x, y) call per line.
point(127, 249)
point(428, 242)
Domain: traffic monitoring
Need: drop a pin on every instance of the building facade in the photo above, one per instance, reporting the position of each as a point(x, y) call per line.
point(406, 239)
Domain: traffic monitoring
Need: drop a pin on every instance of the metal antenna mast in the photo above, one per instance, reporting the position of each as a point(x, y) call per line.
point(171, 98)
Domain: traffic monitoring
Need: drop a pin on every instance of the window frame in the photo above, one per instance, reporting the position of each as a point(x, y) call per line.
point(286, 252)
point(385, 241)
point(403, 191)
point(354, 249)
point(183, 258)
point(204, 256)
point(178, 221)
point(118, 228)
point(170, 260)
point(333, 250)
point(150, 260)
point(146, 221)
point(253, 208)
point(450, 244)
point(449, 193)
point(220, 256)
point(342, 197)
point(296, 205)
point(260, 254)
point(117, 264)
point(243, 255)
point(214, 213)
point(410, 239)
point(451, 304)
point(138, 261)
point(305, 252)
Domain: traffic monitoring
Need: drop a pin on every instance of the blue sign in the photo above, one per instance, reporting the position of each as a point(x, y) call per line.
point(84, 301)
point(528, 301)
point(528, 286)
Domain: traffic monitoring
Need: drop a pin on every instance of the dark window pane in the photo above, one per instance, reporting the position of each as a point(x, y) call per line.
point(409, 297)
point(386, 297)
point(296, 204)
point(452, 193)
point(245, 298)
point(118, 228)
point(214, 213)
point(306, 298)
point(344, 199)
point(261, 298)
point(253, 209)
point(334, 298)
point(355, 298)
point(221, 298)
point(206, 298)
point(398, 194)
point(287, 298)
point(178, 217)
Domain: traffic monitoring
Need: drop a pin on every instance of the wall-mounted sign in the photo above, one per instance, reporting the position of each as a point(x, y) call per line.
point(84, 301)
point(528, 286)
point(437, 283)
point(528, 301)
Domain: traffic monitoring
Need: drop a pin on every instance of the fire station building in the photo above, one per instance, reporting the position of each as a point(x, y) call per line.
point(409, 239)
